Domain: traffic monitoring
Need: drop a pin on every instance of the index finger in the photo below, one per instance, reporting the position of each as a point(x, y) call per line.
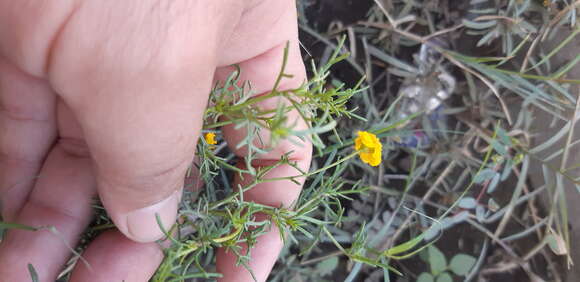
point(262, 71)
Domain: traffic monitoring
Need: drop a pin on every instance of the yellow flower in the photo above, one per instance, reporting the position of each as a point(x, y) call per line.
point(210, 138)
point(369, 148)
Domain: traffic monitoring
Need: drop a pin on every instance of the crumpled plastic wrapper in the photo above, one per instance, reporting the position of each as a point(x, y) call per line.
point(425, 92)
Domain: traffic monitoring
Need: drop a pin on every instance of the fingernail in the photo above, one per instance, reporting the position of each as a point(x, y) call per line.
point(142, 225)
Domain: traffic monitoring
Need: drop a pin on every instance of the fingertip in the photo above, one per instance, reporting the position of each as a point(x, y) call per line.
point(143, 225)
point(263, 257)
point(112, 257)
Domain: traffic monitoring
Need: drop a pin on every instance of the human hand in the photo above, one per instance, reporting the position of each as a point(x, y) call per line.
point(107, 97)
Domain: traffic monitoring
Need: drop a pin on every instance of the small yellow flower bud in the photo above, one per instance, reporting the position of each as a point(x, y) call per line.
point(210, 138)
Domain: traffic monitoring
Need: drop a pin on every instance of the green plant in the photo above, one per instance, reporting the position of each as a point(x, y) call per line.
point(229, 221)
point(474, 174)
point(460, 265)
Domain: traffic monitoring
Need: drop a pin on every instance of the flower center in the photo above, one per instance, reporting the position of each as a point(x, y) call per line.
point(368, 150)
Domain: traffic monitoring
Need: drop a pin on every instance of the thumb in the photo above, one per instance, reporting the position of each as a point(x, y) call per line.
point(139, 97)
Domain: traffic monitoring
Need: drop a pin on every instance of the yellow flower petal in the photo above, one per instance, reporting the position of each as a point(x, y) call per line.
point(367, 140)
point(357, 144)
point(369, 148)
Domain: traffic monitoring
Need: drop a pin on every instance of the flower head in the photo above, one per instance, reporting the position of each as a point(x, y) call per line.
point(369, 148)
point(210, 138)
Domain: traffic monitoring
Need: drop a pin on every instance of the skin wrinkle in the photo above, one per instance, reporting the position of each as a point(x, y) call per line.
point(59, 210)
point(66, 151)
point(15, 184)
point(28, 44)
point(60, 28)
point(149, 185)
point(158, 160)
point(15, 114)
point(19, 127)
point(18, 160)
point(252, 4)
point(74, 147)
point(15, 81)
point(29, 127)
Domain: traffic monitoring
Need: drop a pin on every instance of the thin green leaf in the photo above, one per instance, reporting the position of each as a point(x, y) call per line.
point(404, 247)
point(8, 225)
point(556, 50)
point(33, 273)
point(479, 25)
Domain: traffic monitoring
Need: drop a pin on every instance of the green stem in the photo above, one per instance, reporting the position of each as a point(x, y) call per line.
point(312, 172)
